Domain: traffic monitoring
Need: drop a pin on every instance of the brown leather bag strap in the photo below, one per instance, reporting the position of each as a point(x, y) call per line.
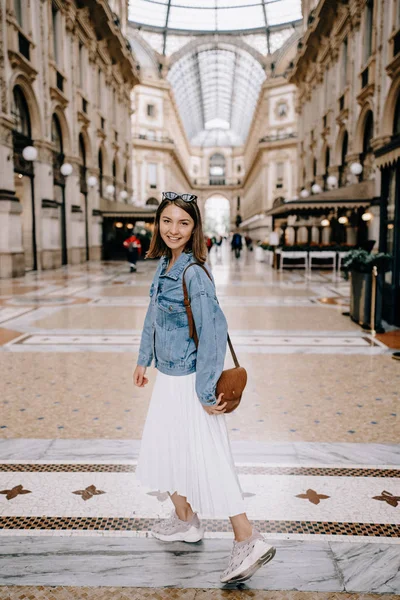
point(192, 326)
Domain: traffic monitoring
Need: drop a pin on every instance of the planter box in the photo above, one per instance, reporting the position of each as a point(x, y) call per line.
point(360, 299)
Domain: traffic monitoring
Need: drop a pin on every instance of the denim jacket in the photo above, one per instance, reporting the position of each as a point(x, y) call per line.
point(165, 336)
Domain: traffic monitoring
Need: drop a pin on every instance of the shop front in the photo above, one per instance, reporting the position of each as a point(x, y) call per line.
point(118, 226)
point(323, 222)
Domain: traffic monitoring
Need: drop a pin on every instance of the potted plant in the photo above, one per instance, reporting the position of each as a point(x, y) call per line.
point(360, 264)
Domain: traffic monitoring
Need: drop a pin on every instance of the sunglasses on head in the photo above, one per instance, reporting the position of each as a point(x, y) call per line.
point(174, 196)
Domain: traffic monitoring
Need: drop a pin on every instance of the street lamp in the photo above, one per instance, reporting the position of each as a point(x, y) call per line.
point(30, 153)
point(356, 168)
point(66, 169)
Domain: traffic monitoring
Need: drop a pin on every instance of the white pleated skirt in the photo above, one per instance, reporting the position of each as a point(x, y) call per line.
point(186, 450)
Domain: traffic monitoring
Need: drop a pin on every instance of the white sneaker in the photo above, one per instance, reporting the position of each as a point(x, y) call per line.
point(175, 530)
point(247, 557)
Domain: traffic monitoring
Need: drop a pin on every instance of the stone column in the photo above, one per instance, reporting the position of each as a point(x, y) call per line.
point(47, 212)
point(94, 219)
point(75, 216)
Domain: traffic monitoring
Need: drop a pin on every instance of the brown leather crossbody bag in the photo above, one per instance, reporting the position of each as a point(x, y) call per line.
point(232, 381)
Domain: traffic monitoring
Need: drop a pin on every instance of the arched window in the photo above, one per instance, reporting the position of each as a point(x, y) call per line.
point(368, 132)
point(58, 155)
point(20, 112)
point(152, 202)
point(217, 169)
point(396, 121)
point(100, 164)
point(56, 134)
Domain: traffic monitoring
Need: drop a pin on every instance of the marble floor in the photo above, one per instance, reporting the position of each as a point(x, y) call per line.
point(316, 441)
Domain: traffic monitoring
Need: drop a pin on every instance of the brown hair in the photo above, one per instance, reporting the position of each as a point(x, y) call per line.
point(196, 244)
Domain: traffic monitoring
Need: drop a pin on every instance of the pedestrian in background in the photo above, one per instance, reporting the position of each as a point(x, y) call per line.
point(237, 244)
point(133, 251)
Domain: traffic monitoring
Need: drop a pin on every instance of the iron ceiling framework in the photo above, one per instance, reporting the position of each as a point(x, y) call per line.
point(207, 16)
point(216, 84)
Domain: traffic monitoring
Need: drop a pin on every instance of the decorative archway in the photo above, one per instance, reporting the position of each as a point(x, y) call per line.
point(22, 83)
point(389, 111)
point(217, 217)
point(65, 133)
point(209, 40)
point(21, 114)
point(84, 140)
point(365, 115)
point(56, 135)
point(337, 158)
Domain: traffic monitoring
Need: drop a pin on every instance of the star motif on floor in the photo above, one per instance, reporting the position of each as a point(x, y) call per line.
point(389, 498)
point(88, 492)
point(313, 496)
point(14, 492)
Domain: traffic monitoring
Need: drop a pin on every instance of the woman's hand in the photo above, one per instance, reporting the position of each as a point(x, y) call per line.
point(139, 378)
point(216, 409)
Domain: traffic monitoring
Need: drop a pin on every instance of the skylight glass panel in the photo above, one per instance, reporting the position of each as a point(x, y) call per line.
point(244, 17)
point(214, 15)
point(195, 19)
point(217, 124)
point(217, 84)
point(148, 13)
point(282, 11)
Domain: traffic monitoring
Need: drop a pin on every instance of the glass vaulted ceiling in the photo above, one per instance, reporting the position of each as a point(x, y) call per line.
point(214, 15)
point(217, 84)
point(216, 88)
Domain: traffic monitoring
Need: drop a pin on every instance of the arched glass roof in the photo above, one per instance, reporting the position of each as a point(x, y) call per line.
point(216, 88)
point(214, 15)
point(217, 52)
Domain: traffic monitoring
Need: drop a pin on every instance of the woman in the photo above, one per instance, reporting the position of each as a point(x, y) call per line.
point(185, 447)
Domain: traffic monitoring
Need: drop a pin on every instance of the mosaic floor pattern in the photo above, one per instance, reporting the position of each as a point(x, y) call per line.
point(316, 442)
point(113, 593)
